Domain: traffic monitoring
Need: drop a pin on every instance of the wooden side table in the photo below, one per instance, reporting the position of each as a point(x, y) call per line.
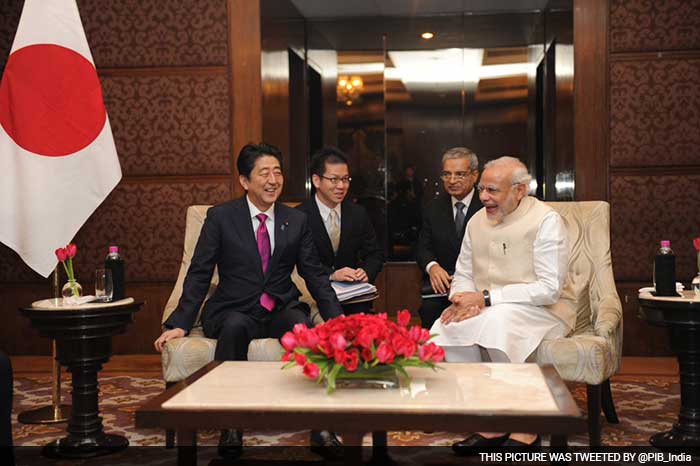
point(83, 337)
point(681, 315)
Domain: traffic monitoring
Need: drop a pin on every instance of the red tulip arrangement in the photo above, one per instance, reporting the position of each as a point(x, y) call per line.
point(65, 256)
point(354, 345)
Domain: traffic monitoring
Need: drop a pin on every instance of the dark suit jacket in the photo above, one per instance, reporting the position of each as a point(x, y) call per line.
point(438, 240)
point(358, 245)
point(227, 240)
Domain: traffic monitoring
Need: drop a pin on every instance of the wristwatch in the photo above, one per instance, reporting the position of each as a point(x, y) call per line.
point(487, 297)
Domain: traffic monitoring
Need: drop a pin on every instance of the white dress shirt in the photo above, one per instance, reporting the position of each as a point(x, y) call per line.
point(269, 222)
point(466, 201)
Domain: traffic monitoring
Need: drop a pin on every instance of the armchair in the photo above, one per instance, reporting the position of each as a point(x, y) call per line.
point(592, 352)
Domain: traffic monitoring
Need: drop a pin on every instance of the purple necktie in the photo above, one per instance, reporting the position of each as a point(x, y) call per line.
point(263, 237)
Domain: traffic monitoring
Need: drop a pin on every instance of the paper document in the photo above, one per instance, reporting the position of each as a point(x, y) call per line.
point(349, 290)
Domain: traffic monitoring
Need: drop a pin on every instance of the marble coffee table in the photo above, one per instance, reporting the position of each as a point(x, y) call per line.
point(459, 398)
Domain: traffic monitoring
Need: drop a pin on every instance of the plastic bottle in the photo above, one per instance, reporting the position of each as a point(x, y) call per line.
point(665, 270)
point(115, 263)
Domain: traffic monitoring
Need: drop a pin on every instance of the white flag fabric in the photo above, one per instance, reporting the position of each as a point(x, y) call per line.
point(58, 161)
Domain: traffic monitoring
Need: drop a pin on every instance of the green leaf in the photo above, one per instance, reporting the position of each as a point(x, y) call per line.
point(330, 379)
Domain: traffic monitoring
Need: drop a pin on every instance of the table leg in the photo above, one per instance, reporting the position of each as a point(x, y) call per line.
point(352, 451)
point(186, 448)
point(558, 444)
point(686, 432)
point(86, 437)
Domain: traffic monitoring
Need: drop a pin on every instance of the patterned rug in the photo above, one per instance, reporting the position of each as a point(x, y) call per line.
point(645, 405)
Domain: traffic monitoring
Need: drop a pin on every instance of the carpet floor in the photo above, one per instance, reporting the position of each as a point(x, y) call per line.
point(645, 405)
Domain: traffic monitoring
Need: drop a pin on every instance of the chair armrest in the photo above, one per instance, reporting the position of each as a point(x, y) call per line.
point(609, 316)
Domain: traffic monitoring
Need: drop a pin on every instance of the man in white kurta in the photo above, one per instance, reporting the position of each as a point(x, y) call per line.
point(509, 290)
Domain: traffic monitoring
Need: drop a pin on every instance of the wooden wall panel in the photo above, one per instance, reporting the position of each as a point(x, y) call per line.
point(170, 124)
point(141, 33)
point(655, 112)
point(646, 209)
point(640, 338)
point(591, 99)
point(639, 25)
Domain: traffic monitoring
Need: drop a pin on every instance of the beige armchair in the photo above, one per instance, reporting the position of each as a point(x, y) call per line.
point(592, 353)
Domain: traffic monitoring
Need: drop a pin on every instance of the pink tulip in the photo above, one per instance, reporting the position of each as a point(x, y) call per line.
point(385, 354)
point(403, 317)
point(61, 254)
point(300, 359)
point(338, 341)
point(71, 250)
point(289, 341)
point(311, 370)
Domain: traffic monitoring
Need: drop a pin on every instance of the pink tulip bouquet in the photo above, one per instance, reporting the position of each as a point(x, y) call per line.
point(65, 256)
point(359, 346)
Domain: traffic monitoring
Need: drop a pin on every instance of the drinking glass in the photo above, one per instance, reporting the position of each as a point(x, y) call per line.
point(103, 285)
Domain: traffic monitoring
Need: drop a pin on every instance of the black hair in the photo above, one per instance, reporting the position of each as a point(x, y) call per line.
point(252, 152)
point(328, 154)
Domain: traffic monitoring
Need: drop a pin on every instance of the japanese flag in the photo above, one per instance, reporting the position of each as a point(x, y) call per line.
point(58, 161)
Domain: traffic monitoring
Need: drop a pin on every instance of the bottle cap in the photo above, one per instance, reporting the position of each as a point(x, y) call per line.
point(113, 249)
point(665, 244)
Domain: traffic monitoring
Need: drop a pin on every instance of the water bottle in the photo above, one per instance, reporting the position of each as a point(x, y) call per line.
point(115, 263)
point(665, 270)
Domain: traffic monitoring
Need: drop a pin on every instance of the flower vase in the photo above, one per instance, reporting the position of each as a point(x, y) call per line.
point(377, 377)
point(72, 289)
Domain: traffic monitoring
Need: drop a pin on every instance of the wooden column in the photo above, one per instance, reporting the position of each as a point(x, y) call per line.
point(591, 110)
point(245, 81)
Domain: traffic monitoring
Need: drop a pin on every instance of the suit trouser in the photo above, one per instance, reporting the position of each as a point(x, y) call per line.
point(356, 308)
point(430, 310)
point(234, 331)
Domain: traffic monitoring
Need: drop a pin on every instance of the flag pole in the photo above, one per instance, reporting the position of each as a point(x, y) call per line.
point(56, 412)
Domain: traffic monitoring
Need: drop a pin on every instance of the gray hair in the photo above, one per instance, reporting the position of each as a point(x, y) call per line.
point(519, 173)
point(462, 153)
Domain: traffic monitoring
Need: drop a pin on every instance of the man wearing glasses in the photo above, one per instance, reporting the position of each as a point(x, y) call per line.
point(347, 246)
point(343, 234)
point(444, 222)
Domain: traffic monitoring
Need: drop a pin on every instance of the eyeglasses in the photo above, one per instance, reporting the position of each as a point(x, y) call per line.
point(460, 176)
point(490, 190)
point(335, 180)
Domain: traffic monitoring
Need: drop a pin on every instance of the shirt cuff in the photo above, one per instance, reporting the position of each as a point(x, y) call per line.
point(496, 296)
point(430, 264)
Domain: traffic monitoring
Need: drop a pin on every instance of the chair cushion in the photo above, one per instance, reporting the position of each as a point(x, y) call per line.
point(182, 357)
point(585, 357)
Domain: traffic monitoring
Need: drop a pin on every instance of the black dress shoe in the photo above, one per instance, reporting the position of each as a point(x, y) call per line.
point(326, 444)
point(230, 444)
point(522, 447)
point(476, 443)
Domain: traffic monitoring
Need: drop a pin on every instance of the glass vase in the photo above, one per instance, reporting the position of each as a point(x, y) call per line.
point(72, 289)
point(378, 377)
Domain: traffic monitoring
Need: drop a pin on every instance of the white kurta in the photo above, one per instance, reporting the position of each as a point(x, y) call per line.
point(517, 321)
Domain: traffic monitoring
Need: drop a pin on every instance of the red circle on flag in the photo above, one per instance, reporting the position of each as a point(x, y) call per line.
point(51, 100)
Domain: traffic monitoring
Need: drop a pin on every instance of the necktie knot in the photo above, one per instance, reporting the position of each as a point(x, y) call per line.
point(460, 206)
point(261, 217)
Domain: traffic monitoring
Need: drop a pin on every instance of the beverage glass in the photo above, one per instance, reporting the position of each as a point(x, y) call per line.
point(103, 285)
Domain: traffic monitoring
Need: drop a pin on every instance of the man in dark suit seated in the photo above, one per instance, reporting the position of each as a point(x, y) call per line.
point(6, 453)
point(444, 222)
point(343, 234)
point(255, 241)
point(347, 245)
